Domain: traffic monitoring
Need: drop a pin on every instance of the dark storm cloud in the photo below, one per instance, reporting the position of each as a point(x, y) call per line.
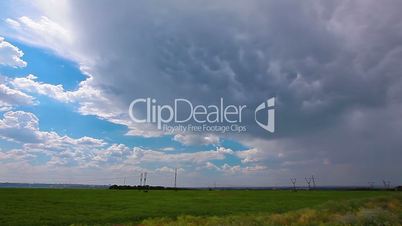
point(330, 65)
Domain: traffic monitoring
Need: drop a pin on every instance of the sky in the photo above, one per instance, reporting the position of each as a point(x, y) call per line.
point(69, 70)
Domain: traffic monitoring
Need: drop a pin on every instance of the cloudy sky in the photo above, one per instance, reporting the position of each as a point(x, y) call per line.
point(70, 69)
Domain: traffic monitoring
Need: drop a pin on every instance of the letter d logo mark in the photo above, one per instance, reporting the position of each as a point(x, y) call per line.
point(269, 105)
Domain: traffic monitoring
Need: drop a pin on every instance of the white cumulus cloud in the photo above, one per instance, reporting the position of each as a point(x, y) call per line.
point(10, 55)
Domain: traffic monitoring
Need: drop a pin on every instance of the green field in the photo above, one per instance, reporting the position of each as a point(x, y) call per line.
point(86, 206)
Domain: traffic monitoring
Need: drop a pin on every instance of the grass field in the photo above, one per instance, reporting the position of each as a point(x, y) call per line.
point(86, 206)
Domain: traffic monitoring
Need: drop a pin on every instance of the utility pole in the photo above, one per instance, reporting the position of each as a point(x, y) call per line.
point(313, 179)
point(141, 178)
point(387, 184)
point(145, 182)
point(175, 178)
point(308, 182)
point(293, 180)
point(124, 181)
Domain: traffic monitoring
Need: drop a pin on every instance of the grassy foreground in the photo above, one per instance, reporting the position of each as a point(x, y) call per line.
point(73, 206)
point(363, 212)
